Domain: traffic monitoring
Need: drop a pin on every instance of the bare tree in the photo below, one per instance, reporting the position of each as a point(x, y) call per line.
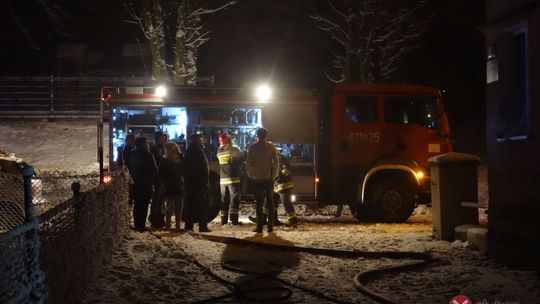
point(175, 30)
point(17, 23)
point(371, 36)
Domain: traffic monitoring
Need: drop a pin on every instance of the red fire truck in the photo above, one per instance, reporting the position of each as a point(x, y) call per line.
point(364, 145)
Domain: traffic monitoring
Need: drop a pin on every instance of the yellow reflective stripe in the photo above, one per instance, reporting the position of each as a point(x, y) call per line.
point(229, 180)
point(223, 213)
point(233, 210)
point(281, 187)
point(224, 158)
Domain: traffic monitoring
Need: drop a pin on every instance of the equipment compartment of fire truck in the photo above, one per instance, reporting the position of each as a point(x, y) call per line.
point(209, 112)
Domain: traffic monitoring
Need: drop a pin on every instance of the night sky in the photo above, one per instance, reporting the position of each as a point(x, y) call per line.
point(274, 41)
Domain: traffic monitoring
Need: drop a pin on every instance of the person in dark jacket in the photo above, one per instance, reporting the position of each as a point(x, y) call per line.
point(196, 181)
point(172, 183)
point(144, 174)
point(156, 209)
point(126, 150)
point(158, 147)
point(124, 156)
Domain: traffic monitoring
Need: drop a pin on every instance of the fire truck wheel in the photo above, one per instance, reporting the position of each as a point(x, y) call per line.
point(391, 201)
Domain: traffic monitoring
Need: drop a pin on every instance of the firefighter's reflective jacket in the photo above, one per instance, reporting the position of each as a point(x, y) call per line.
point(230, 161)
point(284, 180)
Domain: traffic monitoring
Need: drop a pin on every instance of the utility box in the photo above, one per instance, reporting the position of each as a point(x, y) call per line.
point(454, 179)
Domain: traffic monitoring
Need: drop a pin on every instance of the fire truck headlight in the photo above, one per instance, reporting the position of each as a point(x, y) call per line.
point(161, 91)
point(263, 93)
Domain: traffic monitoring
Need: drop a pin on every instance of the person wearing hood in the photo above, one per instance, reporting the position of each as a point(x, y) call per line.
point(124, 157)
point(144, 174)
point(156, 209)
point(196, 181)
point(172, 182)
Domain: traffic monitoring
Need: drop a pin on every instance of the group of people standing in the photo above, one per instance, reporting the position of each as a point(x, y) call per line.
point(163, 175)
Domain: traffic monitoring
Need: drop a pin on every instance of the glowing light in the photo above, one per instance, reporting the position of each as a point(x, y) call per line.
point(293, 198)
point(107, 179)
point(317, 180)
point(161, 91)
point(263, 92)
point(420, 174)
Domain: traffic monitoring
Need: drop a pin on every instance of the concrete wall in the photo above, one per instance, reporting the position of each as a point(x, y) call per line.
point(514, 164)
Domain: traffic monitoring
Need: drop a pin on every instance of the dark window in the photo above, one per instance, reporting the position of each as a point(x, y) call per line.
point(416, 109)
point(512, 114)
point(361, 109)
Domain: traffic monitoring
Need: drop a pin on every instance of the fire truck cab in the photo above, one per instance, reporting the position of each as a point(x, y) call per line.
point(376, 144)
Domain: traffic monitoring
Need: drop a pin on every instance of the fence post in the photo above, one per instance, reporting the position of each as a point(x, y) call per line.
point(52, 95)
point(28, 172)
point(76, 188)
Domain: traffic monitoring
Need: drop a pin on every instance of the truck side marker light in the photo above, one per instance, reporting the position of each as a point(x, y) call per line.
point(434, 148)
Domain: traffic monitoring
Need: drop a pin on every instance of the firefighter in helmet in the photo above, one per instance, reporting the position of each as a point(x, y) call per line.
point(283, 187)
point(230, 162)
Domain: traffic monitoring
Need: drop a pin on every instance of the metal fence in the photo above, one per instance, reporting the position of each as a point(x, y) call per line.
point(73, 96)
point(11, 201)
point(21, 278)
point(79, 234)
point(52, 95)
point(52, 188)
point(78, 223)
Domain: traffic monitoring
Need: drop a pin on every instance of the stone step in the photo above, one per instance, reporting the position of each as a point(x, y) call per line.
point(473, 234)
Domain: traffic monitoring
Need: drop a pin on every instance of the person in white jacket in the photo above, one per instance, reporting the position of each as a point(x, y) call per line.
point(262, 167)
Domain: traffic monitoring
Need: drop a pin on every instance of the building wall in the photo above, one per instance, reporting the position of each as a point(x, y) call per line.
point(513, 129)
point(497, 9)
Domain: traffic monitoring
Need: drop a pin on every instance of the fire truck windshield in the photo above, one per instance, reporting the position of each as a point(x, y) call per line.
point(417, 109)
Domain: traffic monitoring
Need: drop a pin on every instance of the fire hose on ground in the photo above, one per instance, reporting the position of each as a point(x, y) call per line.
point(360, 280)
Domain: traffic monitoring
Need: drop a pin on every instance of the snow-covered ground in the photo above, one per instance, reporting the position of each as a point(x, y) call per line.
point(174, 267)
point(159, 266)
point(62, 145)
